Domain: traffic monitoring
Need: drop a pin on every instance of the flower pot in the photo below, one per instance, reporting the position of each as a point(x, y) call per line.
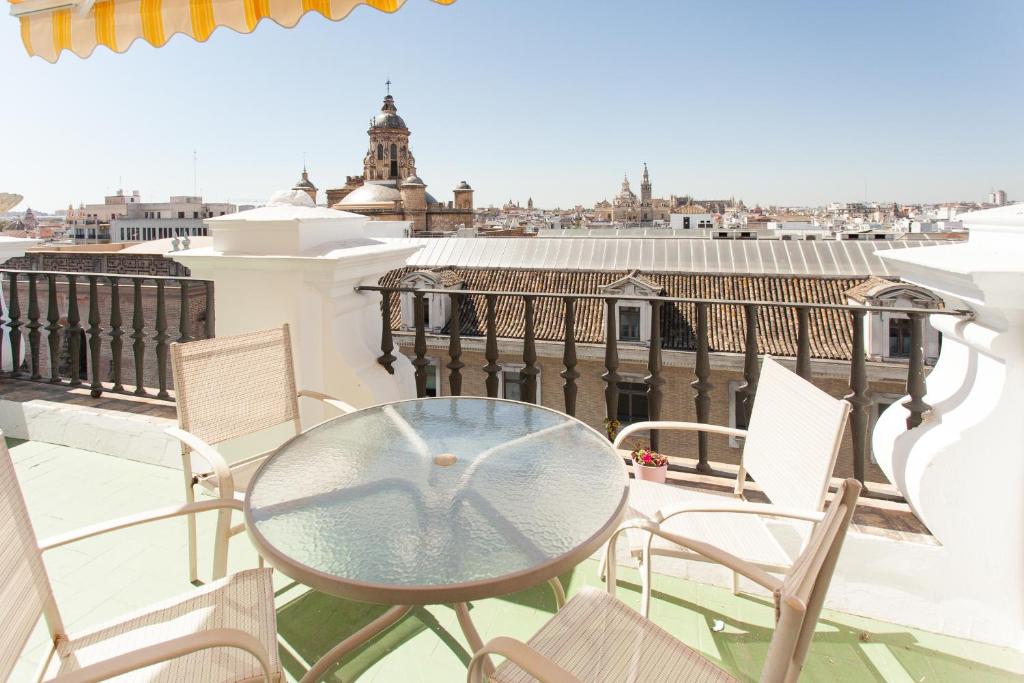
point(648, 473)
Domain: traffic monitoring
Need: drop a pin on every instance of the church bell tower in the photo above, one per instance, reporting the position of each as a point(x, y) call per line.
point(389, 156)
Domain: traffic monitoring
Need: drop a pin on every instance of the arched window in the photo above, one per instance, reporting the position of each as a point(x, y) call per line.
point(394, 160)
point(380, 152)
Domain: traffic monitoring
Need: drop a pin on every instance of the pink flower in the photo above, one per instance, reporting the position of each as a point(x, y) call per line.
point(647, 458)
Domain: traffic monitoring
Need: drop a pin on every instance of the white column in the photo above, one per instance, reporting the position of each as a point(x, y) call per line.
point(962, 470)
point(291, 262)
point(10, 247)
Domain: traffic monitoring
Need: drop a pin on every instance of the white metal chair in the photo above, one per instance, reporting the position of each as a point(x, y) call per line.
point(597, 638)
point(221, 633)
point(227, 388)
point(790, 449)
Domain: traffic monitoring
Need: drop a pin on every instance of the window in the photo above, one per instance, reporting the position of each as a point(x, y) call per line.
point(899, 338)
point(394, 161)
point(632, 401)
point(431, 371)
point(629, 323)
point(686, 223)
point(380, 152)
point(181, 214)
point(195, 214)
point(510, 382)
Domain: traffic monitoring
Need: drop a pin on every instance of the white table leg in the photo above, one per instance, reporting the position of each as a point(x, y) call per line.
point(472, 637)
point(392, 616)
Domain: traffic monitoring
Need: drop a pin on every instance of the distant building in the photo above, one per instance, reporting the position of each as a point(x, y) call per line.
point(692, 217)
point(626, 207)
point(998, 197)
point(126, 218)
point(306, 185)
point(390, 190)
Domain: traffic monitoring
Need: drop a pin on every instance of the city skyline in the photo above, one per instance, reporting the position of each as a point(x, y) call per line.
point(574, 95)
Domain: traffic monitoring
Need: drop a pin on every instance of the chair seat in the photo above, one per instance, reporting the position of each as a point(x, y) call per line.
point(241, 473)
point(243, 601)
point(599, 639)
point(744, 535)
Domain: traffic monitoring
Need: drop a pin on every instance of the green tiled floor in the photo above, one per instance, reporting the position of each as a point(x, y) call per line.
point(99, 579)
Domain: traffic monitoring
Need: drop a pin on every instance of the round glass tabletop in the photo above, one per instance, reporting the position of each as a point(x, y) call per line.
point(436, 500)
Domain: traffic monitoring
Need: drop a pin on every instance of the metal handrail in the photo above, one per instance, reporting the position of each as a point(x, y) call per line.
point(962, 313)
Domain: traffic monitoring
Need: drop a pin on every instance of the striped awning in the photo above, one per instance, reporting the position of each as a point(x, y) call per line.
point(48, 27)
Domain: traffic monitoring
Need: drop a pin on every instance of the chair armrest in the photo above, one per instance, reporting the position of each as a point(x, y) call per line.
point(225, 481)
point(685, 426)
point(742, 507)
point(329, 400)
point(713, 553)
point(171, 649)
point(141, 518)
point(523, 656)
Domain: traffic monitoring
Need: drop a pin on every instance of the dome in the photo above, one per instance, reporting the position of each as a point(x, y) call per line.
point(371, 193)
point(430, 199)
point(413, 180)
point(463, 186)
point(388, 116)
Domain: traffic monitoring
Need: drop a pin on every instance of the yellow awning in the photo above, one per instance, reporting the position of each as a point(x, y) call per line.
point(49, 27)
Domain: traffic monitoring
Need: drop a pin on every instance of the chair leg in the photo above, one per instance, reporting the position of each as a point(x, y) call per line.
point(645, 577)
point(190, 520)
point(220, 547)
point(602, 569)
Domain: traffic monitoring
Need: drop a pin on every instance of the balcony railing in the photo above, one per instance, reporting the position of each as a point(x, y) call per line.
point(68, 328)
point(858, 395)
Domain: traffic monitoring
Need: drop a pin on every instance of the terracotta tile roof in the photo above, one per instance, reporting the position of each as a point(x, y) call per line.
point(777, 327)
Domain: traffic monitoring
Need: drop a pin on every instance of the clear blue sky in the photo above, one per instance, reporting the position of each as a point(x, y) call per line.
point(774, 102)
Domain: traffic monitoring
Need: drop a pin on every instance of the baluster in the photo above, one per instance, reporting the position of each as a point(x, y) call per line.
point(161, 337)
point(74, 332)
point(420, 362)
point(748, 389)
point(210, 328)
point(96, 386)
point(53, 328)
point(702, 387)
point(139, 343)
point(654, 379)
point(858, 397)
point(915, 373)
point(529, 353)
point(491, 350)
point(14, 325)
point(803, 342)
point(611, 364)
point(184, 319)
point(387, 344)
point(33, 325)
point(455, 346)
point(116, 334)
point(570, 374)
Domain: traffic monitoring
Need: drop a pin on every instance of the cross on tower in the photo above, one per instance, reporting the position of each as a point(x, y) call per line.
point(387, 84)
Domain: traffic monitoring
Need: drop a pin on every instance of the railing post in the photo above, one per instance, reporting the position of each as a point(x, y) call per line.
point(53, 328)
point(570, 374)
point(139, 337)
point(654, 379)
point(491, 349)
point(116, 334)
point(915, 373)
point(184, 317)
point(210, 329)
point(96, 385)
point(387, 344)
point(455, 365)
point(420, 362)
point(14, 325)
point(702, 387)
point(858, 397)
point(611, 363)
point(161, 339)
point(74, 332)
point(529, 352)
point(748, 390)
point(33, 325)
point(803, 342)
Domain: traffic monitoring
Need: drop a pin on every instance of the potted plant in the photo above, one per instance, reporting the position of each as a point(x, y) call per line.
point(649, 465)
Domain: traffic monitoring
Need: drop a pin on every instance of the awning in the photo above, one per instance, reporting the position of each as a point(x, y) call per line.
point(50, 26)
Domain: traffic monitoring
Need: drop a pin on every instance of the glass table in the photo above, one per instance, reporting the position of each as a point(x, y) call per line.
point(436, 500)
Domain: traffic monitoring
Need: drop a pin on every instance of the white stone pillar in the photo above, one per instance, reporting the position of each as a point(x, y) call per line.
point(291, 262)
point(962, 470)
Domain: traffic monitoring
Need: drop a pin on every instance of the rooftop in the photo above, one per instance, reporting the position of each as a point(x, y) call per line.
point(106, 577)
